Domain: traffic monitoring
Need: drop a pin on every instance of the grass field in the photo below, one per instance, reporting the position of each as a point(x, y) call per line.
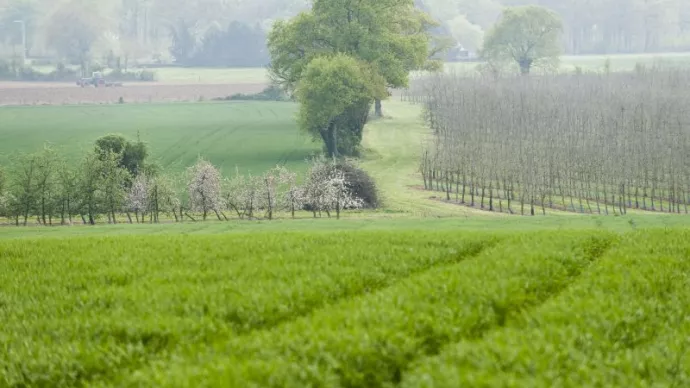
point(251, 136)
point(212, 75)
point(420, 293)
point(350, 309)
point(255, 136)
point(619, 62)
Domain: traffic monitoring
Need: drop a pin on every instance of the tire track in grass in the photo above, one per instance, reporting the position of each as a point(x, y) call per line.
point(370, 340)
point(624, 324)
point(128, 306)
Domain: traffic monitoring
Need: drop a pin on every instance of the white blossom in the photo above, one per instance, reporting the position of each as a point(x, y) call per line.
point(204, 187)
point(326, 189)
point(293, 197)
point(138, 196)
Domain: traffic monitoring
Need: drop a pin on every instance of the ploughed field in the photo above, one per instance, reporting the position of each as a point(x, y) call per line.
point(35, 93)
point(349, 309)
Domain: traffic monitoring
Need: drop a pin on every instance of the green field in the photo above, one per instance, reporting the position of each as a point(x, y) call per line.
point(212, 75)
point(254, 136)
point(597, 63)
point(251, 136)
point(349, 309)
point(619, 62)
point(419, 293)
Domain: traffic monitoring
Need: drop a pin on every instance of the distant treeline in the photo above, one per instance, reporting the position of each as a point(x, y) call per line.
point(238, 45)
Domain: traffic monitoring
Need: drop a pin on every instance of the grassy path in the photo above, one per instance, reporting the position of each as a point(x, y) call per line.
point(392, 147)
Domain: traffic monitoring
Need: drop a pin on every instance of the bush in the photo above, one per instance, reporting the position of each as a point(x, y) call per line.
point(19, 73)
point(5, 69)
point(97, 67)
point(42, 62)
point(141, 75)
point(357, 182)
point(271, 93)
point(360, 183)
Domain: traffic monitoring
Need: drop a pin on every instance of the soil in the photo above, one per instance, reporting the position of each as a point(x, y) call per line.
point(52, 93)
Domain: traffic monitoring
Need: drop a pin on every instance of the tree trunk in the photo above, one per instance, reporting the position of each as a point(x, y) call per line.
point(329, 137)
point(378, 110)
point(43, 208)
point(525, 66)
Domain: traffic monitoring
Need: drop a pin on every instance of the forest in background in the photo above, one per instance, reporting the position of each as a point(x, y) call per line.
point(233, 32)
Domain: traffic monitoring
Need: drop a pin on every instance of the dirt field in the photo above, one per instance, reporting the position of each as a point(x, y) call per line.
point(28, 93)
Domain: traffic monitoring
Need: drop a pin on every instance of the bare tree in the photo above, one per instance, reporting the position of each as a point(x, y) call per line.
point(587, 143)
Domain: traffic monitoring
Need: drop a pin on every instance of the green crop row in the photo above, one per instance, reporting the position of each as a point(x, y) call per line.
point(79, 310)
point(625, 324)
point(370, 340)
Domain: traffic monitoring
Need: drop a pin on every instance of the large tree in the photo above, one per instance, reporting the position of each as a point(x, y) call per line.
point(74, 28)
point(390, 37)
point(23, 11)
point(130, 155)
point(525, 35)
point(331, 86)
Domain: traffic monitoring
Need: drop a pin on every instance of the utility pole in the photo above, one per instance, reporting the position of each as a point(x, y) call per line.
point(23, 40)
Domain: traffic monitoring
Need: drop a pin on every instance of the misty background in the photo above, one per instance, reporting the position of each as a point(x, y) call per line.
point(233, 32)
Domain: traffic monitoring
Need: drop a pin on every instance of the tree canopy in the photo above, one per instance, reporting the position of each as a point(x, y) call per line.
point(144, 29)
point(525, 35)
point(384, 40)
point(130, 155)
point(332, 85)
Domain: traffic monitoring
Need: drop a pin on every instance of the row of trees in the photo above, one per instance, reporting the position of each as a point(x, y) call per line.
point(132, 29)
point(238, 45)
point(588, 143)
point(106, 186)
point(590, 27)
point(146, 28)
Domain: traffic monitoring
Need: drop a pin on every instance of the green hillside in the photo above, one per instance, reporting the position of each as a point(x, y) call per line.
point(253, 136)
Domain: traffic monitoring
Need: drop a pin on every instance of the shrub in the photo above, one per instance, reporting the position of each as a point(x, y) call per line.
point(141, 75)
point(360, 183)
point(41, 62)
point(359, 186)
point(271, 93)
point(16, 72)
